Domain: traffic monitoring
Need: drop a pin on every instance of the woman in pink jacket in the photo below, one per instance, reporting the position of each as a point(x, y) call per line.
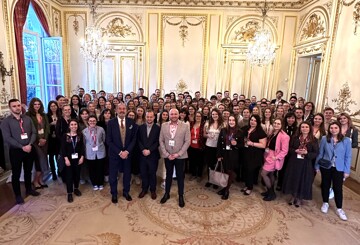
point(277, 147)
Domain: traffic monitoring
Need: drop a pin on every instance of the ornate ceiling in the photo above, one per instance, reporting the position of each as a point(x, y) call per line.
point(285, 4)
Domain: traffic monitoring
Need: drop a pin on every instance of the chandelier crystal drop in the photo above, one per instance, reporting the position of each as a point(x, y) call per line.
point(93, 47)
point(261, 51)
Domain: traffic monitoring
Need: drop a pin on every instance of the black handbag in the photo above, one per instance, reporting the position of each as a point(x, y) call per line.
point(324, 163)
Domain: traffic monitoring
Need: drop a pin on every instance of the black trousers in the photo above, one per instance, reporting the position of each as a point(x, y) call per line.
point(250, 173)
point(19, 158)
point(196, 161)
point(179, 167)
point(96, 171)
point(210, 157)
point(148, 168)
point(72, 174)
point(336, 178)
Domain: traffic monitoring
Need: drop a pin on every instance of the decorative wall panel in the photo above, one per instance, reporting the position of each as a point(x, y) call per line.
point(183, 50)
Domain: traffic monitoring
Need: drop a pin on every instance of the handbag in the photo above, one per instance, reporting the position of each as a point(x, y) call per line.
point(218, 177)
point(324, 163)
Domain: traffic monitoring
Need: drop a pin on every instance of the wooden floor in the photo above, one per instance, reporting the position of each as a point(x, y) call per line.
point(7, 198)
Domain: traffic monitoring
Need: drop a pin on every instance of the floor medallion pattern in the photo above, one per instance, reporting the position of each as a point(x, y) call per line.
point(206, 219)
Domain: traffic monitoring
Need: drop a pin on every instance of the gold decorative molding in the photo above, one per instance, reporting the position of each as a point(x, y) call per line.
point(344, 100)
point(316, 49)
point(56, 19)
point(290, 4)
point(247, 32)
point(117, 28)
point(204, 38)
point(181, 87)
point(230, 19)
point(313, 28)
point(184, 22)
point(356, 17)
point(66, 53)
point(138, 17)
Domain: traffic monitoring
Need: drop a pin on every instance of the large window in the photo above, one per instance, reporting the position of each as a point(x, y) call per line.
point(43, 61)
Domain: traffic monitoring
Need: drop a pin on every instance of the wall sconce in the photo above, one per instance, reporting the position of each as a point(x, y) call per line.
point(3, 71)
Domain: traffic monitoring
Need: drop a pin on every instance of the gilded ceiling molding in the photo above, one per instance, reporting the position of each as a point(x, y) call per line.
point(356, 17)
point(117, 28)
point(296, 4)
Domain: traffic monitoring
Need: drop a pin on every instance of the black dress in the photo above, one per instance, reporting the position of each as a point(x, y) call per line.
point(299, 173)
point(230, 154)
point(253, 156)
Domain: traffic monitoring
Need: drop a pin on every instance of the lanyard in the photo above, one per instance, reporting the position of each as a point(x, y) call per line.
point(93, 135)
point(73, 143)
point(269, 140)
point(21, 126)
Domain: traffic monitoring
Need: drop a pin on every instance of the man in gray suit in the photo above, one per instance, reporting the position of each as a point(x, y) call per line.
point(174, 142)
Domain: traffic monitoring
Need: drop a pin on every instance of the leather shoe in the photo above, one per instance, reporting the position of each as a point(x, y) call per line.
point(153, 195)
point(19, 200)
point(142, 194)
point(32, 193)
point(181, 201)
point(70, 198)
point(127, 197)
point(77, 192)
point(114, 199)
point(225, 196)
point(165, 198)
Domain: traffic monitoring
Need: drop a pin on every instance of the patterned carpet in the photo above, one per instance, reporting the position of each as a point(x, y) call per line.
point(206, 219)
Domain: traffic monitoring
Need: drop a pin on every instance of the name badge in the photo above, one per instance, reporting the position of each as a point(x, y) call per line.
point(194, 141)
point(41, 131)
point(246, 145)
point(267, 150)
point(95, 148)
point(171, 142)
point(74, 156)
point(24, 136)
point(228, 147)
point(299, 156)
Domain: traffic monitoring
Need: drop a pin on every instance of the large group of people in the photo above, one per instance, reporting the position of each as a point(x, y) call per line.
point(94, 136)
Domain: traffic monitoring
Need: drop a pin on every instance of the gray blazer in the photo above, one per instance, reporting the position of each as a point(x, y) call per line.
point(100, 142)
point(182, 140)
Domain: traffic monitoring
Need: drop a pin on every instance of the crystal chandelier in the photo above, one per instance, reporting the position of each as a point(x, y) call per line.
point(93, 48)
point(261, 51)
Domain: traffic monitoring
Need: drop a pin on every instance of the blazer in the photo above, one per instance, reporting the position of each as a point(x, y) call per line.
point(182, 140)
point(353, 135)
point(342, 153)
point(281, 149)
point(46, 125)
point(67, 147)
point(221, 145)
point(150, 143)
point(113, 138)
point(100, 143)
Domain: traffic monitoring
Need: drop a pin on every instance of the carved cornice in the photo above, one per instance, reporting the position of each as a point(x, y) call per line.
point(295, 4)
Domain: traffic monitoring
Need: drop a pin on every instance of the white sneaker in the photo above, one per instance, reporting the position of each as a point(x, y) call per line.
point(95, 188)
point(331, 193)
point(101, 187)
point(325, 207)
point(163, 185)
point(341, 214)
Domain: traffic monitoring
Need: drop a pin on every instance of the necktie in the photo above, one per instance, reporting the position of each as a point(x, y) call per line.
point(122, 131)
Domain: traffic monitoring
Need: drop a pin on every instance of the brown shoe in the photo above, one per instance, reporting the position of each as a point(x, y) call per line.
point(142, 194)
point(153, 195)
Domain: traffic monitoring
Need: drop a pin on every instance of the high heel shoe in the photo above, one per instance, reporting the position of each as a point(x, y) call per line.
point(243, 189)
point(297, 203)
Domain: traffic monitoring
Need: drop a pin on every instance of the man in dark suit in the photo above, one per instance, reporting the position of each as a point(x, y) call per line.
point(121, 138)
point(148, 140)
point(279, 95)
